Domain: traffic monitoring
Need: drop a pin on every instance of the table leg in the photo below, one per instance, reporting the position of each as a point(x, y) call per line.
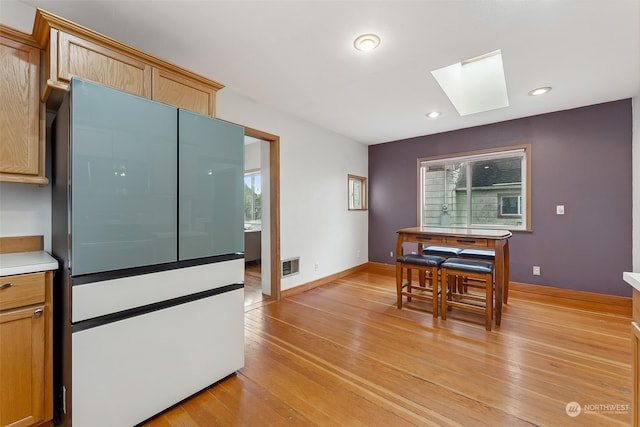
point(500, 277)
point(505, 292)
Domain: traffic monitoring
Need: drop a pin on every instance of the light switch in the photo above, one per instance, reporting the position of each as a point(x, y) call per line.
point(560, 210)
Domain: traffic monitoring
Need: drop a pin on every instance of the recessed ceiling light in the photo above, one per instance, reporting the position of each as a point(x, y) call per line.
point(434, 114)
point(366, 42)
point(540, 91)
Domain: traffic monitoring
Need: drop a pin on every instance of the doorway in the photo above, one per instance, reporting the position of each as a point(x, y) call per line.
point(262, 276)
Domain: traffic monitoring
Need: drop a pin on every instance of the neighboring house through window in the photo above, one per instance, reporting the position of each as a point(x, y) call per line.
point(481, 189)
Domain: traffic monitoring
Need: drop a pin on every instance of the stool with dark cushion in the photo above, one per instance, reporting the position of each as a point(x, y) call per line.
point(483, 254)
point(444, 251)
point(453, 272)
point(427, 267)
point(479, 254)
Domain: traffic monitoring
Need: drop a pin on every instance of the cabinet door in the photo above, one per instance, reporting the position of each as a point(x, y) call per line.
point(22, 366)
point(182, 92)
point(81, 58)
point(20, 108)
point(211, 188)
point(123, 180)
point(635, 329)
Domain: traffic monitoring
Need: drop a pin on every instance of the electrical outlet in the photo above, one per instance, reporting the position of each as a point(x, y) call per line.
point(560, 210)
point(391, 254)
point(316, 266)
point(536, 270)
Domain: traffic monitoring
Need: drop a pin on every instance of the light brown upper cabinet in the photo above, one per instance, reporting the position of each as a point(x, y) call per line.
point(72, 50)
point(91, 61)
point(182, 92)
point(22, 133)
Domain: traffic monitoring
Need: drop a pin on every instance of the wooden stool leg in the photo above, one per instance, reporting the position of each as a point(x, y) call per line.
point(489, 302)
point(433, 279)
point(444, 279)
point(399, 283)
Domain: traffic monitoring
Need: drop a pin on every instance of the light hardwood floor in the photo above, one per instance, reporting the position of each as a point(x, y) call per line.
point(343, 355)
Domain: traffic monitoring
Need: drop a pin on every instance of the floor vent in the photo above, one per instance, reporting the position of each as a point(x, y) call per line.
point(290, 267)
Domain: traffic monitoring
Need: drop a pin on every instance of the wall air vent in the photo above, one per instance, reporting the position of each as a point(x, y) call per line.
point(290, 267)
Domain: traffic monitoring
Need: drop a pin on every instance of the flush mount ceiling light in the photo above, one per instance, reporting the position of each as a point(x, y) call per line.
point(475, 85)
point(434, 114)
point(366, 42)
point(540, 91)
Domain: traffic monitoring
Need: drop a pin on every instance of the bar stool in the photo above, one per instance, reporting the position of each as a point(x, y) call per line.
point(453, 272)
point(479, 254)
point(482, 254)
point(427, 267)
point(443, 251)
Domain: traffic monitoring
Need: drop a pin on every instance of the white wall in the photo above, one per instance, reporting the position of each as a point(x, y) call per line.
point(315, 224)
point(25, 210)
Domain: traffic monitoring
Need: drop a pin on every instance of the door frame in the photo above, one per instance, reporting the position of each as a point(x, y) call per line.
point(274, 205)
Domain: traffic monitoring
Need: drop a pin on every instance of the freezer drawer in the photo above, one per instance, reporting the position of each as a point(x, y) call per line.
point(127, 371)
point(92, 300)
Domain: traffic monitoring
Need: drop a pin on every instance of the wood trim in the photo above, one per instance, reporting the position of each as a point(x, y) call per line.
point(18, 36)
point(45, 20)
point(26, 179)
point(274, 208)
point(609, 303)
point(378, 267)
point(323, 281)
point(21, 244)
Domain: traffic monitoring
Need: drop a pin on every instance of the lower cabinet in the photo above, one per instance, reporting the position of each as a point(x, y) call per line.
point(635, 327)
point(25, 359)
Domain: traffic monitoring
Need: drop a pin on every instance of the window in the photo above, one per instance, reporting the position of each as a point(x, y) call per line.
point(357, 191)
point(252, 198)
point(481, 189)
point(510, 205)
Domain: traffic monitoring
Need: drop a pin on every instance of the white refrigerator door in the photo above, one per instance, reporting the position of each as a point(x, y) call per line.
point(127, 371)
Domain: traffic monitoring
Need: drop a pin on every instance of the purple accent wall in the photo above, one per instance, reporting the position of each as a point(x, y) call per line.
point(581, 159)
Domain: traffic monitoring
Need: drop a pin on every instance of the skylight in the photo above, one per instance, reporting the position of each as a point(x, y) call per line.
point(475, 85)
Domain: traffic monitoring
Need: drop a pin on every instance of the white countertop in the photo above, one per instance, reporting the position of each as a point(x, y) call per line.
point(633, 279)
point(26, 262)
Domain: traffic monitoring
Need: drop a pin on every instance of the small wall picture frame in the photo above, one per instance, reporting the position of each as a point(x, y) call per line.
point(357, 192)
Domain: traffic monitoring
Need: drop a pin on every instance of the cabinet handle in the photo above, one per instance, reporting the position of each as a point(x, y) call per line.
point(465, 241)
point(38, 312)
point(6, 285)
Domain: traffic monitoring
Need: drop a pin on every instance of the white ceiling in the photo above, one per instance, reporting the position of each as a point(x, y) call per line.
point(298, 56)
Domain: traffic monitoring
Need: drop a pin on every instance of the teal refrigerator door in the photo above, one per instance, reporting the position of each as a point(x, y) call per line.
point(123, 180)
point(211, 187)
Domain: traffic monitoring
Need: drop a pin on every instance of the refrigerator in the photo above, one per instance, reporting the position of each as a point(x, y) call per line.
point(147, 225)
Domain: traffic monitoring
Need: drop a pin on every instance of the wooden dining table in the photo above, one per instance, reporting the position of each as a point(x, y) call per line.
point(476, 238)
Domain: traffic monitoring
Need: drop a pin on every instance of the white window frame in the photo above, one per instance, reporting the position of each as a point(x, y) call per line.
point(491, 154)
